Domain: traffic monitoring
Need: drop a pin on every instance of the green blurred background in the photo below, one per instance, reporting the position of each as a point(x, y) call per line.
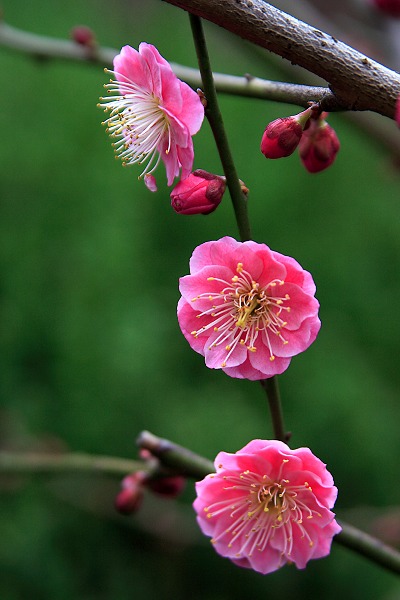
point(91, 352)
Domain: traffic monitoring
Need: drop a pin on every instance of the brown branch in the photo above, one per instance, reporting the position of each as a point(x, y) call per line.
point(44, 47)
point(358, 82)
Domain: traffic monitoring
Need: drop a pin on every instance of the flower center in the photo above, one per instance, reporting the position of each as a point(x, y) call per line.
point(260, 507)
point(242, 310)
point(138, 123)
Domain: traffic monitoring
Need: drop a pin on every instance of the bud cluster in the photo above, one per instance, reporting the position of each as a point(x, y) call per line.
point(130, 498)
point(317, 142)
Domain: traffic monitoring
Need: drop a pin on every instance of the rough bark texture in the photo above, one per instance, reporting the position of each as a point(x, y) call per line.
point(358, 82)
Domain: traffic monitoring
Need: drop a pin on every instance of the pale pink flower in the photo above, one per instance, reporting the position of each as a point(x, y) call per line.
point(153, 115)
point(268, 505)
point(247, 309)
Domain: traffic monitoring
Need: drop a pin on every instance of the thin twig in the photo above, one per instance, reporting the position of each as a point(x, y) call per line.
point(43, 47)
point(35, 462)
point(214, 116)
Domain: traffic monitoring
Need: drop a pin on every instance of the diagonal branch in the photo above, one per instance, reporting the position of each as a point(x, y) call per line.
point(358, 82)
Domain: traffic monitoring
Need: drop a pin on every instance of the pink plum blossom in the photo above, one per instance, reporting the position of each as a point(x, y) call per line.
point(153, 115)
point(246, 308)
point(268, 505)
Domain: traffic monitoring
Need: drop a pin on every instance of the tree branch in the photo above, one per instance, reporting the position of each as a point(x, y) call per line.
point(35, 462)
point(179, 460)
point(43, 47)
point(358, 82)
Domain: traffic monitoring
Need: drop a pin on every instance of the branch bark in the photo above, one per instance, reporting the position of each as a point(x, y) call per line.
point(358, 82)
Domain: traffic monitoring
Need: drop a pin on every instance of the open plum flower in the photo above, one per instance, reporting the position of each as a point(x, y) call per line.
point(153, 115)
point(268, 505)
point(246, 308)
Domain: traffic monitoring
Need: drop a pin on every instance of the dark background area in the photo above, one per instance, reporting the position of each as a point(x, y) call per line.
point(91, 352)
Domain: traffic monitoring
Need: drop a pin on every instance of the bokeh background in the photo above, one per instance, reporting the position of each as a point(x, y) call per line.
point(91, 352)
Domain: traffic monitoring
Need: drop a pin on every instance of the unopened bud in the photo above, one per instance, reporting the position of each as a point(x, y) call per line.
point(83, 36)
point(200, 193)
point(389, 7)
point(171, 487)
point(318, 146)
point(130, 498)
point(282, 136)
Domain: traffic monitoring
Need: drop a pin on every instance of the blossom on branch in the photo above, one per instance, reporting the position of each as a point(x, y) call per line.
point(246, 308)
point(268, 505)
point(200, 193)
point(153, 115)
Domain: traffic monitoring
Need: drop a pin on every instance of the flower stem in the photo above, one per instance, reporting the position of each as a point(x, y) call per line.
point(214, 116)
point(238, 198)
point(275, 407)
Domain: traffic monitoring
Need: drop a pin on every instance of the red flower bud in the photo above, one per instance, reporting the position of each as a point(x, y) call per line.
point(318, 146)
point(282, 136)
point(200, 193)
point(83, 36)
point(130, 498)
point(390, 7)
point(170, 487)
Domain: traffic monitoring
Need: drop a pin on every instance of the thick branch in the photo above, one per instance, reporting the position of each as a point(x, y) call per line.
point(358, 82)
